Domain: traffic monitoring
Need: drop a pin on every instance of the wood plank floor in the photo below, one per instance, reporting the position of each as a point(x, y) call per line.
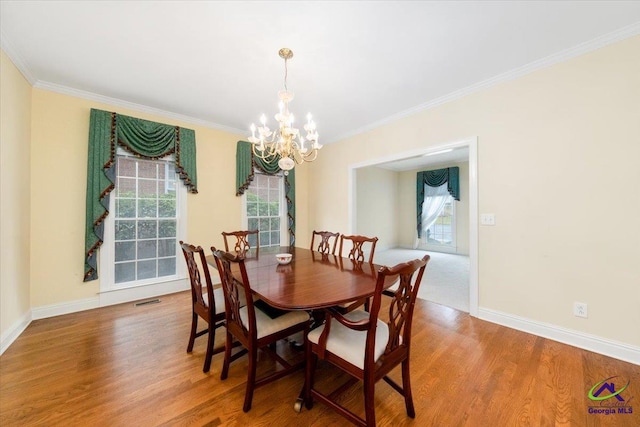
point(127, 366)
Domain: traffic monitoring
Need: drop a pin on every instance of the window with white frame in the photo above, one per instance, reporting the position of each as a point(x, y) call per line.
point(147, 214)
point(438, 218)
point(265, 209)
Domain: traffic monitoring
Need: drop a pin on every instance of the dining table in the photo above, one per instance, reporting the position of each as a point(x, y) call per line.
point(311, 281)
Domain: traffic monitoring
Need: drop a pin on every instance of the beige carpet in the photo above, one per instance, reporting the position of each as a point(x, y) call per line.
point(446, 279)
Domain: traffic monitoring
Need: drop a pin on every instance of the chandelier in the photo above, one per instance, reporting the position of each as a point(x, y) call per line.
point(285, 144)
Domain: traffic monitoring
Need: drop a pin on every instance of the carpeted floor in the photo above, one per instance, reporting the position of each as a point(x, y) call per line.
point(446, 279)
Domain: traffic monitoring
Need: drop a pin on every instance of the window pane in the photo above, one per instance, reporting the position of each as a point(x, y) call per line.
point(147, 208)
point(126, 208)
point(264, 225)
point(264, 238)
point(125, 272)
point(147, 229)
point(147, 169)
point(274, 196)
point(253, 223)
point(253, 240)
point(275, 238)
point(166, 267)
point(167, 205)
point(126, 187)
point(146, 269)
point(125, 251)
point(125, 230)
point(166, 247)
point(263, 209)
point(275, 224)
point(126, 166)
point(167, 228)
point(252, 209)
point(147, 249)
point(147, 188)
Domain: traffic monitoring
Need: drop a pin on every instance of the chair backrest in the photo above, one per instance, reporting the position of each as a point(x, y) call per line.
point(243, 241)
point(198, 268)
point(324, 245)
point(357, 249)
point(232, 287)
point(400, 308)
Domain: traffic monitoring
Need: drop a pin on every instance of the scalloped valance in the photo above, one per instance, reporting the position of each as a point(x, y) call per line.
point(143, 138)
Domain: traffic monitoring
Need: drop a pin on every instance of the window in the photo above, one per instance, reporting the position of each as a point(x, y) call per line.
point(266, 209)
point(147, 214)
point(442, 231)
point(438, 219)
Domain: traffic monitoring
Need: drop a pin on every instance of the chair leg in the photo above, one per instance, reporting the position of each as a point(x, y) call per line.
point(227, 356)
point(406, 386)
point(210, 342)
point(251, 378)
point(309, 375)
point(369, 401)
point(192, 337)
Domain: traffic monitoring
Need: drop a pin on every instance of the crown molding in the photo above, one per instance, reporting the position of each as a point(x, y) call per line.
point(17, 60)
point(65, 90)
point(581, 49)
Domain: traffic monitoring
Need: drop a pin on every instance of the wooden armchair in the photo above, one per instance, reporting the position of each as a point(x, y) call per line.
point(253, 328)
point(208, 305)
point(244, 241)
point(324, 245)
point(366, 347)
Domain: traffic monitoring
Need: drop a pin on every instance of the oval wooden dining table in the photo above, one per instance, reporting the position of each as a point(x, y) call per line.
point(310, 281)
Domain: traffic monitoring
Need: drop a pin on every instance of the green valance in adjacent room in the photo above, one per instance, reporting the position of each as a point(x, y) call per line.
point(245, 164)
point(143, 138)
point(436, 178)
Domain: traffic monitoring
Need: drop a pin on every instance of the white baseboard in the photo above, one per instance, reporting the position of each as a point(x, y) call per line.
point(617, 350)
point(14, 331)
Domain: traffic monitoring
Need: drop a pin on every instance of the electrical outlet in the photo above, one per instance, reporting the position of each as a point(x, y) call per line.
point(487, 219)
point(580, 309)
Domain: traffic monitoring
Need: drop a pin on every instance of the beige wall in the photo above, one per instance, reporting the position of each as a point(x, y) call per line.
point(377, 205)
point(558, 158)
point(407, 207)
point(15, 211)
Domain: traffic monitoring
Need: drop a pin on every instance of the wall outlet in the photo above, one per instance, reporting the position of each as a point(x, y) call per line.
point(580, 309)
point(487, 219)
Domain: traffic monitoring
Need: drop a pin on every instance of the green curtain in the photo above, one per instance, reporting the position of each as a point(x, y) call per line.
point(246, 162)
point(436, 178)
point(143, 138)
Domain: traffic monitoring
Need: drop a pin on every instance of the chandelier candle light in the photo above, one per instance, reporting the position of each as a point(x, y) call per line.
point(285, 144)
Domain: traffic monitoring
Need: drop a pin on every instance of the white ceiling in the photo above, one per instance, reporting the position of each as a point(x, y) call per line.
point(357, 64)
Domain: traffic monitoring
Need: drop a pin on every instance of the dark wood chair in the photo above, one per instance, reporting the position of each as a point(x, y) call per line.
point(252, 327)
point(357, 256)
point(242, 242)
point(366, 347)
point(208, 305)
point(324, 244)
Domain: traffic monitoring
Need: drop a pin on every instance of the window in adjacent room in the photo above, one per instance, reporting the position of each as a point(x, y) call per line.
point(265, 209)
point(148, 213)
point(438, 219)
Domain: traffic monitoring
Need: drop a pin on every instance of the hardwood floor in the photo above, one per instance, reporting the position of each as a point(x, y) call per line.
point(127, 366)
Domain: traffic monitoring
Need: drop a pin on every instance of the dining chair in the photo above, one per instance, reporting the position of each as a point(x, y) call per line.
point(243, 241)
point(366, 347)
point(357, 256)
point(208, 305)
point(324, 245)
point(253, 328)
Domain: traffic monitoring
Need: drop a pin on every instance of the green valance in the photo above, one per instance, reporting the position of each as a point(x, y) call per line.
point(436, 178)
point(245, 164)
point(142, 138)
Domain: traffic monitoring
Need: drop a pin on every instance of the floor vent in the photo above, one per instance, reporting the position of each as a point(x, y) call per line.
point(151, 301)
